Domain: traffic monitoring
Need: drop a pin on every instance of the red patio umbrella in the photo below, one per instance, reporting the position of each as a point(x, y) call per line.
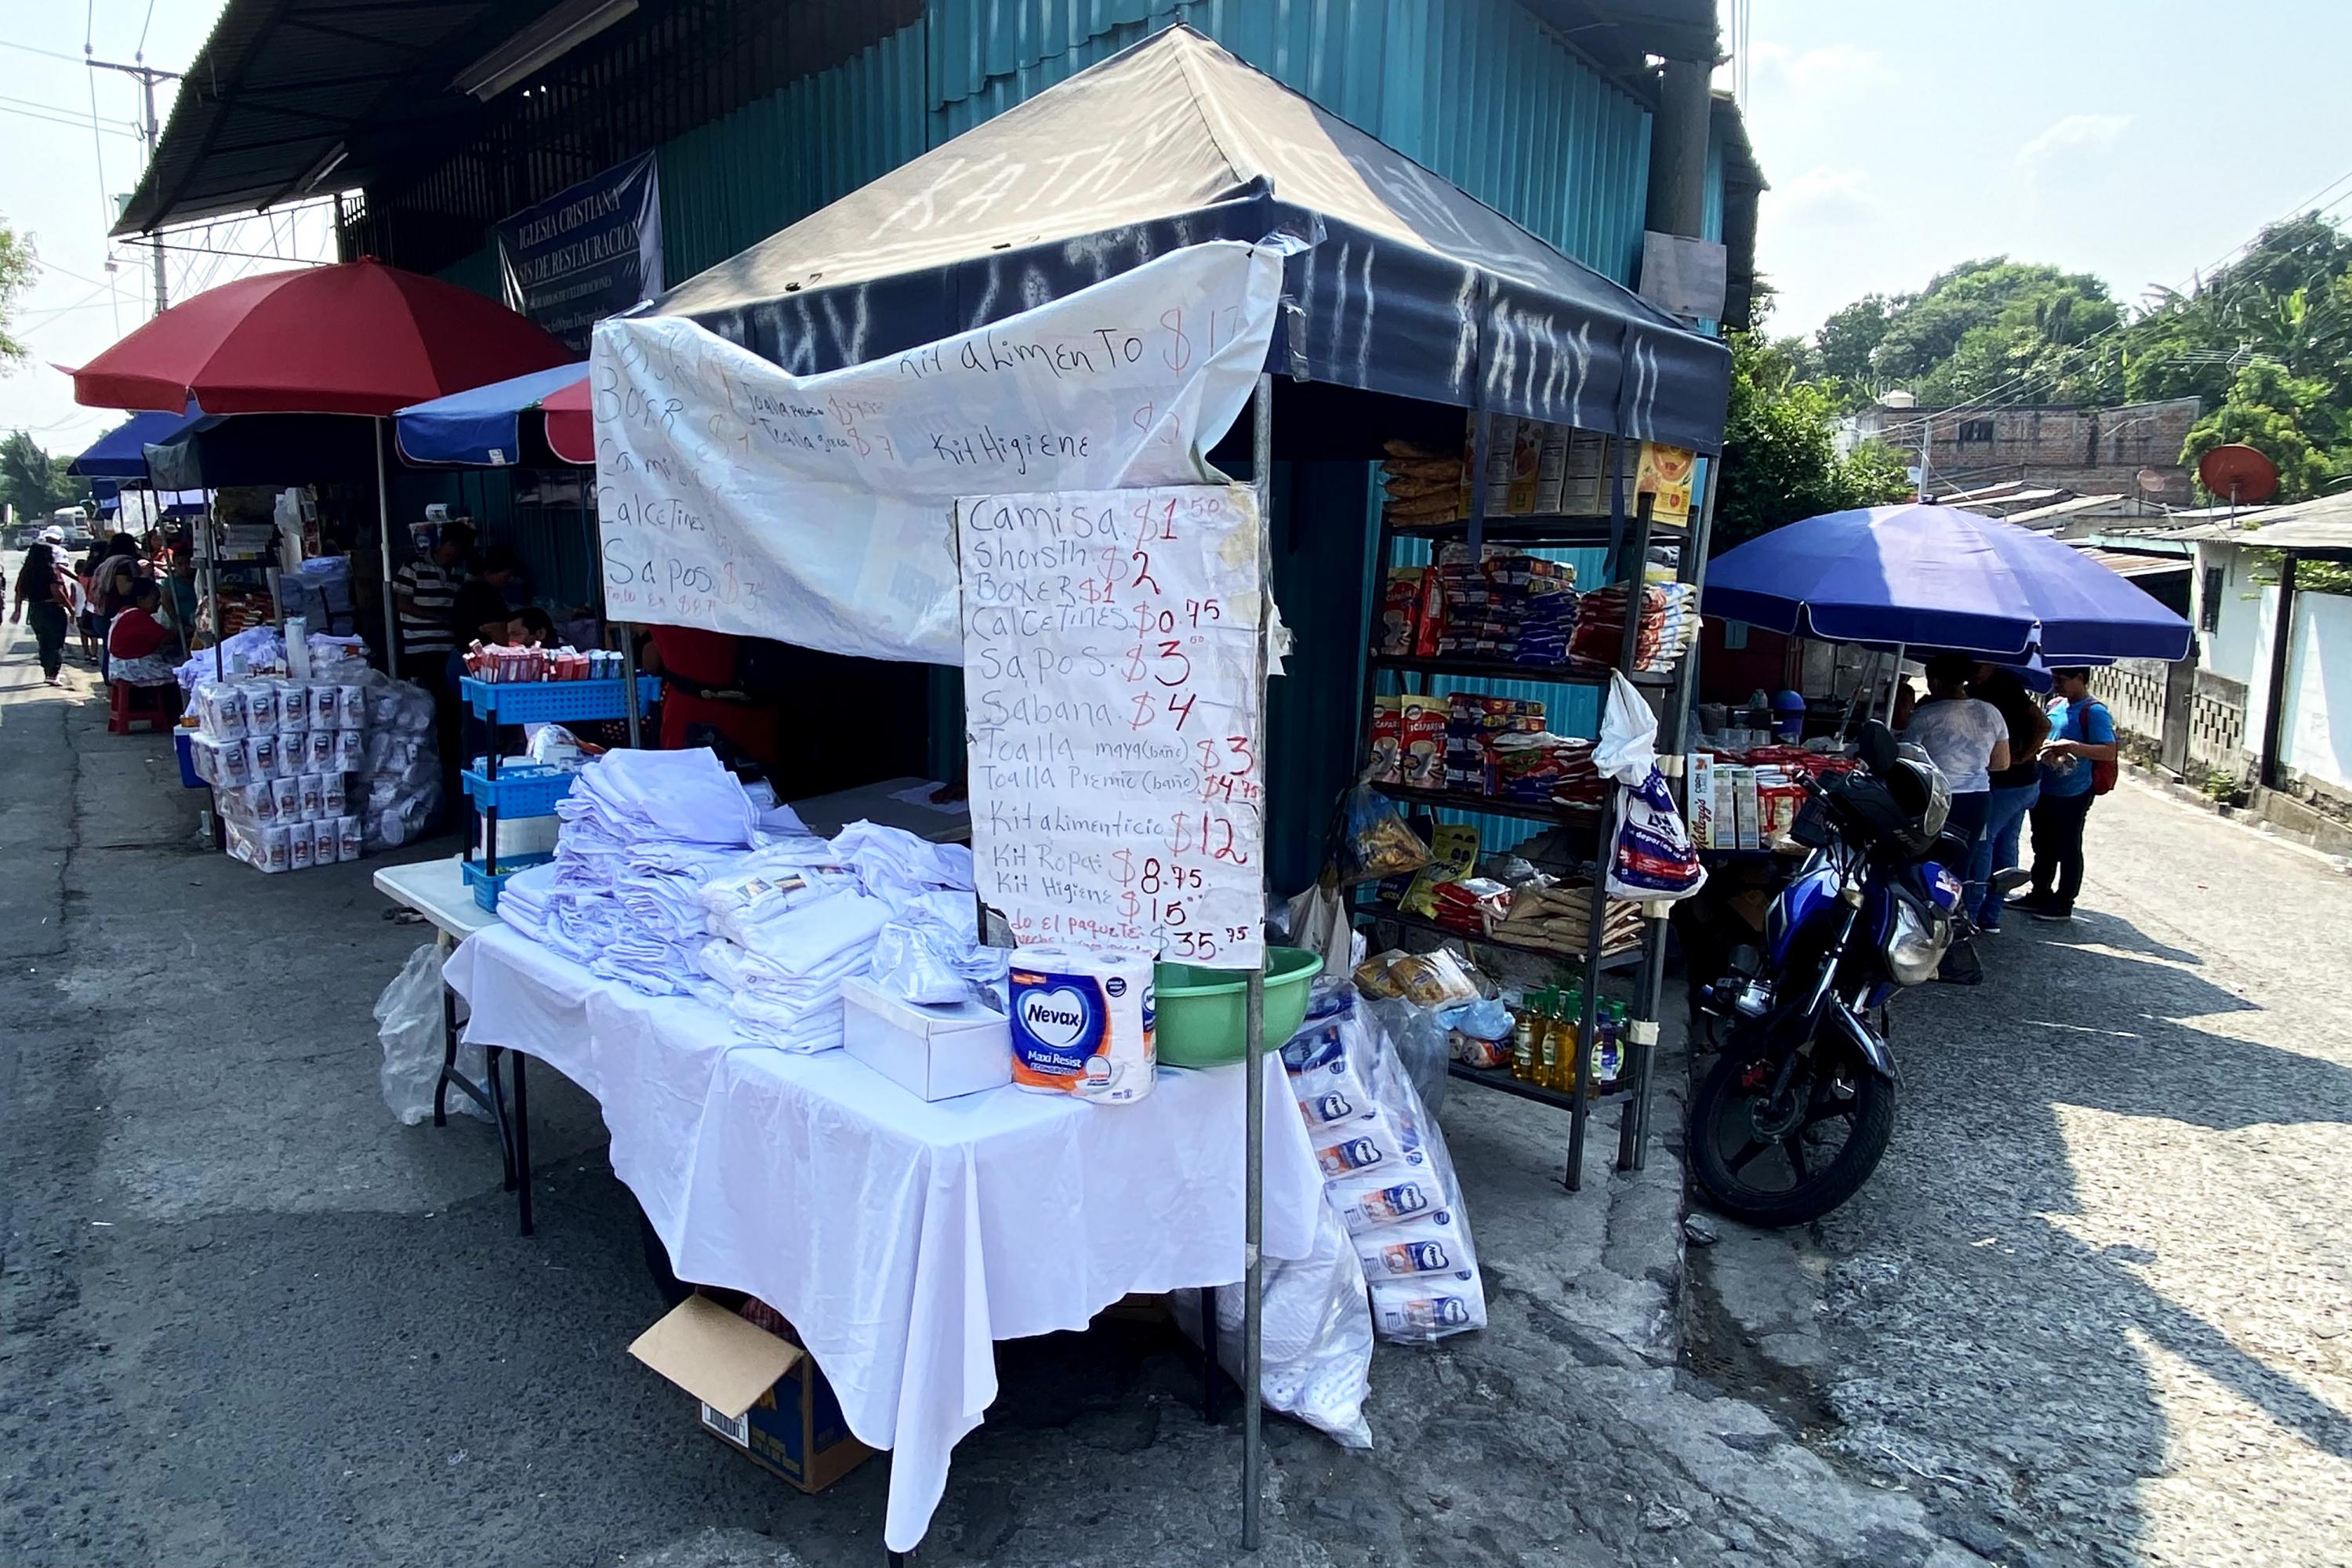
point(357, 338)
point(570, 431)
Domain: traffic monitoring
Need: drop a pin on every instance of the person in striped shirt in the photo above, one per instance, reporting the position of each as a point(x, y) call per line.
point(422, 593)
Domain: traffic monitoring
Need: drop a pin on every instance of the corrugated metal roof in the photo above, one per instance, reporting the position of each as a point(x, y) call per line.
point(2124, 564)
point(2032, 515)
point(281, 84)
point(2322, 524)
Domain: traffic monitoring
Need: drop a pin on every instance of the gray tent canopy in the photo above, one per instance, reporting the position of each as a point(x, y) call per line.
point(1412, 288)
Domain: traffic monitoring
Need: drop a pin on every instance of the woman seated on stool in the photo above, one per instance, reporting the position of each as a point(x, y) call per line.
point(134, 642)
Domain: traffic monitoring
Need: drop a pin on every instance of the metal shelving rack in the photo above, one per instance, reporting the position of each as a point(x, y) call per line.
point(1627, 540)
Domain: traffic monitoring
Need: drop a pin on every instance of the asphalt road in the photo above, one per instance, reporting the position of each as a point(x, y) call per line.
point(248, 1321)
point(2098, 1298)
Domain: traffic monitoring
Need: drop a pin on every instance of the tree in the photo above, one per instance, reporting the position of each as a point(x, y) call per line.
point(34, 482)
point(16, 270)
point(2287, 418)
point(1780, 460)
point(1849, 338)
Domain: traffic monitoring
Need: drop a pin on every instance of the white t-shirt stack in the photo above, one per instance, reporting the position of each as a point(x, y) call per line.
point(640, 833)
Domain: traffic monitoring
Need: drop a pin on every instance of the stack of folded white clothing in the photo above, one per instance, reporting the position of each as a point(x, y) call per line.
point(641, 831)
point(795, 919)
point(524, 901)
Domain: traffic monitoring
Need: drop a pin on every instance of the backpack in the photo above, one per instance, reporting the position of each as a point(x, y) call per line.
point(2103, 775)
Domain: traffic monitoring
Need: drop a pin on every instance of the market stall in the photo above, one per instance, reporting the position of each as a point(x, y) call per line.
point(358, 339)
point(991, 451)
point(1892, 583)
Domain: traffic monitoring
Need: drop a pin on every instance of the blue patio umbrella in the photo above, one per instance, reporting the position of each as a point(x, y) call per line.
point(122, 453)
point(484, 425)
point(1923, 577)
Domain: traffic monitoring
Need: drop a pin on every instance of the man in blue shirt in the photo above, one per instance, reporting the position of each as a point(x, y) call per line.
point(2081, 732)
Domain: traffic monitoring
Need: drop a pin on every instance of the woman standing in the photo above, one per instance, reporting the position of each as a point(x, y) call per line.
point(2015, 788)
point(41, 595)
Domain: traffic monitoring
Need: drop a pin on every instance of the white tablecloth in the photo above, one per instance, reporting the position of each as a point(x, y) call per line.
point(899, 1238)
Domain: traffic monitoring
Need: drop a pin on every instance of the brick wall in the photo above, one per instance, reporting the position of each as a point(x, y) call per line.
point(2092, 451)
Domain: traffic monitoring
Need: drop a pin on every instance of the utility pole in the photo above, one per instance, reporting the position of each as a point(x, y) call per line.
point(147, 76)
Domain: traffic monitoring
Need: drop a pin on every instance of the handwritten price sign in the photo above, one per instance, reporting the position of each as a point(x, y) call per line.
point(1110, 702)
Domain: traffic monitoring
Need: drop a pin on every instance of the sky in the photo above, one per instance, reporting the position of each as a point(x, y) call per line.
point(2138, 140)
point(52, 187)
point(2101, 136)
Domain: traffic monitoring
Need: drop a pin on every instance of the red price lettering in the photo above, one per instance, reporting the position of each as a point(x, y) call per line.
point(1183, 710)
point(1142, 560)
point(1169, 650)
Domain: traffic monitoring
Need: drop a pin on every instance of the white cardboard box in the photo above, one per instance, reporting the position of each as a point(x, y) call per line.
point(933, 1053)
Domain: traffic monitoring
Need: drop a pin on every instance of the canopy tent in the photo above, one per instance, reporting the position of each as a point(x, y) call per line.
point(490, 427)
point(1920, 577)
point(263, 449)
point(122, 453)
point(1415, 289)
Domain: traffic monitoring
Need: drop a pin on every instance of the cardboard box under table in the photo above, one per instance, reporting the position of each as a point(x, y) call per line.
point(899, 1238)
point(759, 1390)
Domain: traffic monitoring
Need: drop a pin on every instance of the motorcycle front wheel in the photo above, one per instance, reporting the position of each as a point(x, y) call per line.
point(1778, 1163)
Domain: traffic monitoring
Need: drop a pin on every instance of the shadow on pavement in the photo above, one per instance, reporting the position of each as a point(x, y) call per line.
point(1974, 1346)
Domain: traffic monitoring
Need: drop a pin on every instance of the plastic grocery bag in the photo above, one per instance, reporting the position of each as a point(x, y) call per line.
point(1318, 922)
point(408, 1023)
point(1652, 857)
point(1315, 1357)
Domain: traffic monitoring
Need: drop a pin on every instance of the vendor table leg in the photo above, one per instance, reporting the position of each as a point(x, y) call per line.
point(499, 1117)
point(1208, 1369)
point(448, 1056)
point(522, 1143)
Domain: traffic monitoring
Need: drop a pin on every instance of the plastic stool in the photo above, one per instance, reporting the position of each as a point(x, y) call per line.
point(127, 705)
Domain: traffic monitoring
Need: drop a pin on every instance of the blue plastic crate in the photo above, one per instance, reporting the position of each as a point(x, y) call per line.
point(552, 702)
point(486, 886)
point(183, 743)
point(528, 790)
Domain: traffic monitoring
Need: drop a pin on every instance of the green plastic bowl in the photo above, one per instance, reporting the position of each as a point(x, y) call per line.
point(1204, 1013)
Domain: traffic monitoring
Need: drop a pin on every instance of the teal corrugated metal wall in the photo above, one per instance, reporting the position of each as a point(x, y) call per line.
point(1477, 90)
point(731, 183)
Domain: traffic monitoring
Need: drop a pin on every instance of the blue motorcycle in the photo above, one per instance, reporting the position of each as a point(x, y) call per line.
point(1801, 1104)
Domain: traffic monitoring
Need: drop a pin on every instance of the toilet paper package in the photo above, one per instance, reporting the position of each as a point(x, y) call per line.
point(289, 797)
point(325, 842)
point(1432, 1245)
point(1387, 1173)
point(1083, 1022)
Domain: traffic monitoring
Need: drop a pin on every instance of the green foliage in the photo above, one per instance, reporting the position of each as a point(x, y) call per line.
point(17, 268)
point(1976, 329)
point(2265, 344)
point(2225, 788)
point(2290, 420)
point(1780, 460)
point(34, 481)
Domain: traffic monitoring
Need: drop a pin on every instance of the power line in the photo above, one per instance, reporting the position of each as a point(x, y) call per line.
point(76, 123)
point(140, 54)
point(35, 50)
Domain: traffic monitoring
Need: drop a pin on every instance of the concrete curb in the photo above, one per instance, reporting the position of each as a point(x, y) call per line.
point(2245, 816)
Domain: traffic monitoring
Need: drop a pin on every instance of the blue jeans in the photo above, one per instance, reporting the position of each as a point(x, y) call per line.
point(1996, 845)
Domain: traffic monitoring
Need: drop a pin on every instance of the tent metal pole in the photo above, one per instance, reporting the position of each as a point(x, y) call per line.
point(384, 564)
point(629, 706)
point(211, 583)
point(1253, 1055)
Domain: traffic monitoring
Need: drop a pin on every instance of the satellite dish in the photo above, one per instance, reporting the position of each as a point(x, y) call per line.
point(2238, 472)
point(2151, 482)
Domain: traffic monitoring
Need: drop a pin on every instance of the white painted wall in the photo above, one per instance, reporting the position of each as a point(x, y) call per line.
point(2319, 685)
point(2237, 646)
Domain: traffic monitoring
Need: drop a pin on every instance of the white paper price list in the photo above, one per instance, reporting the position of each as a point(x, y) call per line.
point(1110, 702)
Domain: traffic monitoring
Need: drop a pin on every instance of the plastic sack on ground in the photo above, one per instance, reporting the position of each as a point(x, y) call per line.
point(1315, 1358)
point(408, 1023)
point(1424, 1043)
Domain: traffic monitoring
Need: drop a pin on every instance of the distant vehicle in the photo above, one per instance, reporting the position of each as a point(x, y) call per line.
point(75, 520)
